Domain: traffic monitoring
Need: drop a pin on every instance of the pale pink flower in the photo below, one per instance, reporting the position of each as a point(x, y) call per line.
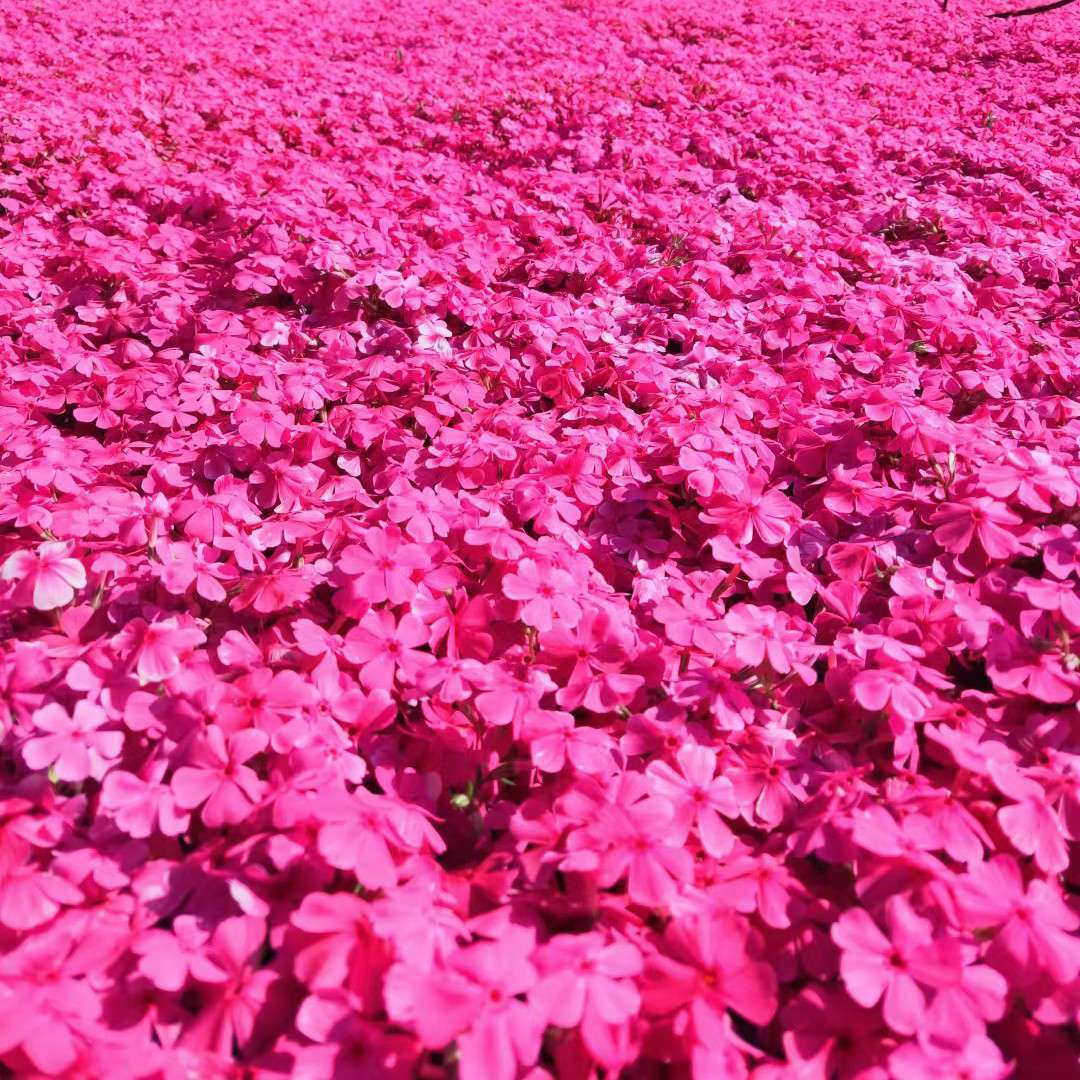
point(48, 577)
point(73, 746)
point(157, 648)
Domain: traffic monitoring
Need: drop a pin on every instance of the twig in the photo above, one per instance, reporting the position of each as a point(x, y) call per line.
point(1039, 10)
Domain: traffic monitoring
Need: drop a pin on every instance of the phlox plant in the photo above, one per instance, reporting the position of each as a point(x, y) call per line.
point(539, 541)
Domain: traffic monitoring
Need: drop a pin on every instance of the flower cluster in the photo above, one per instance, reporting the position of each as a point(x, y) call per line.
point(539, 540)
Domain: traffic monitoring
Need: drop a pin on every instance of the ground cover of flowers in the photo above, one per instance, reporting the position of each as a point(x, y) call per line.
point(539, 540)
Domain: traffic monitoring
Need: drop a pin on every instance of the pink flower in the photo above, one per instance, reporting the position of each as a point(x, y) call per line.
point(52, 1021)
point(340, 698)
point(476, 1000)
point(359, 836)
point(556, 557)
point(426, 513)
point(882, 688)
point(587, 980)
point(855, 491)
point(340, 947)
point(546, 593)
point(140, 806)
point(48, 578)
point(1049, 595)
point(598, 648)
point(708, 963)
point(216, 777)
point(184, 565)
point(382, 567)
point(30, 897)
point(387, 650)
point(1035, 830)
point(828, 1034)
point(346, 1045)
point(73, 746)
point(960, 522)
point(157, 648)
point(766, 786)
point(766, 514)
point(639, 840)
point(230, 1008)
point(693, 621)
point(554, 739)
point(264, 699)
point(513, 697)
point(978, 1059)
point(1034, 930)
point(762, 633)
point(891, 969)
point(760, 883)
point(698, 795)
point(398, 290)
point(169, 958)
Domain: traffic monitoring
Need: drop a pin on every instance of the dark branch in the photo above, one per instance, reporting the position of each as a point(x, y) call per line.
point(1039, 10)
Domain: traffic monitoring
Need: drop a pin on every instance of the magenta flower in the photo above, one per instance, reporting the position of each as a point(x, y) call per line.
point(345, 1044)
point(827, 1032)
point(476, 999)
point(708, 965)
point(30, 897)
point(426, 513)
point(170, 958)
point(762, 633)
point(978, 1059)
point(640, 841)
point(754, 512)
point(264, 699)
point(52, 1022)
point(356, 711)
point(231, 1007)
point(513, 697)
point(693, 621)
point(184, 565)
point(756, 883)
point(598, 649)
point(554, 740)
point(882, 688)
point(1036, 830)
point(359, 836)
point(982, 518)
point(340, 947)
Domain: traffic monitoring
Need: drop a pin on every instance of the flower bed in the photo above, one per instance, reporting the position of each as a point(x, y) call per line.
point(539, 540)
